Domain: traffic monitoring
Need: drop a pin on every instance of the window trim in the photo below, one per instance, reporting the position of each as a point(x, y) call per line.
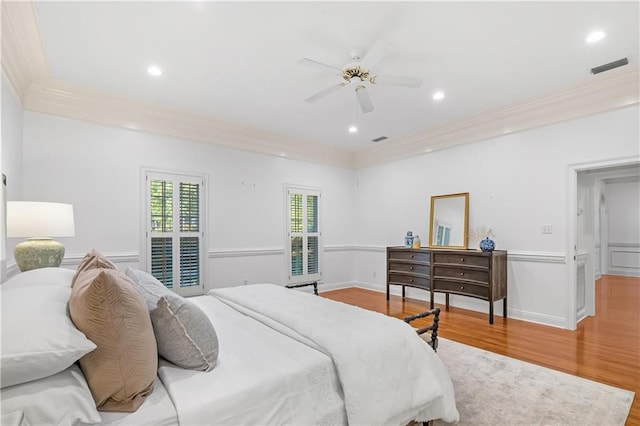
point(305, 190)
point(145, 258)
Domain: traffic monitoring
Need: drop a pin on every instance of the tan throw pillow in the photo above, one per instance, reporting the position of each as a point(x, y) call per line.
point(92, 260)
point(108, 309)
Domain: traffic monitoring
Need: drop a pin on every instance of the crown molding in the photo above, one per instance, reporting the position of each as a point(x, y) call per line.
point(71, 101)
point(25, 66)
point(23, 59)
point(615, 89)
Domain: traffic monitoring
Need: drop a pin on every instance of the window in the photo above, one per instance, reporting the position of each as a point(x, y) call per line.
point(303, 241)
point(174, 230)
point(442, 234)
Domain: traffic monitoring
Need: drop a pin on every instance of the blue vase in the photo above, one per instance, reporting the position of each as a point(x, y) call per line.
point(487, 245)
point(408, 239)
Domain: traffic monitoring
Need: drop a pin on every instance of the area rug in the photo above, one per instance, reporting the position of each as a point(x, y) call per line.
point(492, 389)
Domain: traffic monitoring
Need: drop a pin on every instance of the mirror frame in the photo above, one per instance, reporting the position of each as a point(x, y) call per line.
point(465, 197)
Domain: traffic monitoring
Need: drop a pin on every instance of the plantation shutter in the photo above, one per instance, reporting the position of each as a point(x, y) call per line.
point(303, 234)
point(175, 234)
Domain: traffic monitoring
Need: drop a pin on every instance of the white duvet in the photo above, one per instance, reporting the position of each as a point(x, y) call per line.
point(262, 377)
point(387, 373)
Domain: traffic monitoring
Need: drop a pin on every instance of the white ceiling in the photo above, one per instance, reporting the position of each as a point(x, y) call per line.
point(237, 61)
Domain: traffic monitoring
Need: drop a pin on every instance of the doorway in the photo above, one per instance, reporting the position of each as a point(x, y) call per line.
point(588, 242)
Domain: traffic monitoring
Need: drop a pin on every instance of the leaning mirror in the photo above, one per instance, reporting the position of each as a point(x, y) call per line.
point(449, 223)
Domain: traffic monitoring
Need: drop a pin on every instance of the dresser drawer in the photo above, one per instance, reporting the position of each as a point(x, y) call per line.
point(461, 259)
point(410, 280)
point(412, 255)
point(461, 273)
point(459, 287)
point(412, 268)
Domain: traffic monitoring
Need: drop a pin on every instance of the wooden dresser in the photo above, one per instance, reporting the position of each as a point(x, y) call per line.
point(408, 267)
point(472, 273)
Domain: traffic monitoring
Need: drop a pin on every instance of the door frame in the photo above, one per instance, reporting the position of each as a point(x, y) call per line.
point(572, 223)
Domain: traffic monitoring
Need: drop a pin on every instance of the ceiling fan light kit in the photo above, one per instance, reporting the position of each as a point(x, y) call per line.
point(360, 69)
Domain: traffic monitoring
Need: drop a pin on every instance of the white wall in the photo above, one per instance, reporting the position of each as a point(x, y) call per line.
point(98, 170)
point(623, 248)
point(10, 159)
point(516, 182)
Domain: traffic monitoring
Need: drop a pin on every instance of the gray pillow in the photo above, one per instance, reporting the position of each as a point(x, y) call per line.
point(184, 334)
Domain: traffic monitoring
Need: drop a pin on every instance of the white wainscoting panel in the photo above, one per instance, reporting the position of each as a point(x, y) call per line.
point(624, 259)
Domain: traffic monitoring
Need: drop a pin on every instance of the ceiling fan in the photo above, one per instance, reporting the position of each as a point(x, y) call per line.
point(358, 72)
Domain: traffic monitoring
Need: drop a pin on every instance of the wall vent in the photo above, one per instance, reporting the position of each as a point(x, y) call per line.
point(610, 66)
point(381, 138)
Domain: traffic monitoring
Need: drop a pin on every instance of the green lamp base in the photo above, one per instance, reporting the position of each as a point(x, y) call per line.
point(37, 253)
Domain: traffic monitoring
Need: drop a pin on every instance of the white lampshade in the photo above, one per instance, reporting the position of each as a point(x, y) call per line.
point(39, 219)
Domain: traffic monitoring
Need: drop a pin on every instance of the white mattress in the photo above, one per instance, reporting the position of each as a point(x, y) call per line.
point(156, 410)
point(262, 377)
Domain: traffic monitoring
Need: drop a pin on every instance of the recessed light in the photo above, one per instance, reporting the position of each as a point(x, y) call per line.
point(595, 36)
point(439, 95)
point(353, 129)
point(154, 70)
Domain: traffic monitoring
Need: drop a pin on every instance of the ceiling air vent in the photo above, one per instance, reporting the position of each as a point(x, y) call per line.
point(381, 138)
point(610, 66)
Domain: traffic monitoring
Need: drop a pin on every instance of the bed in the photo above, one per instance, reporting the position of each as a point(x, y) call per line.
point(284, 357)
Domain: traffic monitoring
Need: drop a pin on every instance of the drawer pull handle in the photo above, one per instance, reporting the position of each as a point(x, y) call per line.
point(411, 256)
point(411, 268)
point(461, 287)
point(461, 273)
point(411, 280)
point(462, 259)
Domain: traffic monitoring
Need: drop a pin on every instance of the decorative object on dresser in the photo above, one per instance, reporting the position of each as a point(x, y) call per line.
point(477, 234)
point(39, 221)
point(408, 239)
point(472, 273)
point(487, 244)
point(449, 221)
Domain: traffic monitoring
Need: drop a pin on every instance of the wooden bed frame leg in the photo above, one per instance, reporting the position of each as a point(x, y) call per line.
point(433, 327)
point(429, 423)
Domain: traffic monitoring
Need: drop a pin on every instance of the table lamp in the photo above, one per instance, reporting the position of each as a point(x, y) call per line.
point(39, 222)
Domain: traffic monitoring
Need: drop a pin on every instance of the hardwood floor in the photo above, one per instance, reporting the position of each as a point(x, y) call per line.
point(604, 348)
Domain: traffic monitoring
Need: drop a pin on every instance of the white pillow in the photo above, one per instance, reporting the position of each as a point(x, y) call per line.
point(43, 276)
point(38, 337)
point(61, 399)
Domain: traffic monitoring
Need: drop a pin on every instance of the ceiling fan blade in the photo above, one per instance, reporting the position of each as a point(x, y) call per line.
point(397, 80)
point(376, 53)
point(325, 92)
point(364, 99)
point(319, 65)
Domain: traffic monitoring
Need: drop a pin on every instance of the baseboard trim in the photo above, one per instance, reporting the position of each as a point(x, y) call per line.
point(623, 272)
point(467, 303)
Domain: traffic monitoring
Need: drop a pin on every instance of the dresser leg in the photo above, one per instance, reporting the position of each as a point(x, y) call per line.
point(387, 292)
point(403, 292)
point(490, 312)
point(504, 307)
point(446, 298)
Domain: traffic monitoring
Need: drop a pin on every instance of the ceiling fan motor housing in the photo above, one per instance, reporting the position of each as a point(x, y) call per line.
point(352, 71)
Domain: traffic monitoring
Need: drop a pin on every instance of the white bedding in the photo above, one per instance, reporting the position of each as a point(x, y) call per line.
point(262, 377)
point(156, 410)
point(388, 374)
